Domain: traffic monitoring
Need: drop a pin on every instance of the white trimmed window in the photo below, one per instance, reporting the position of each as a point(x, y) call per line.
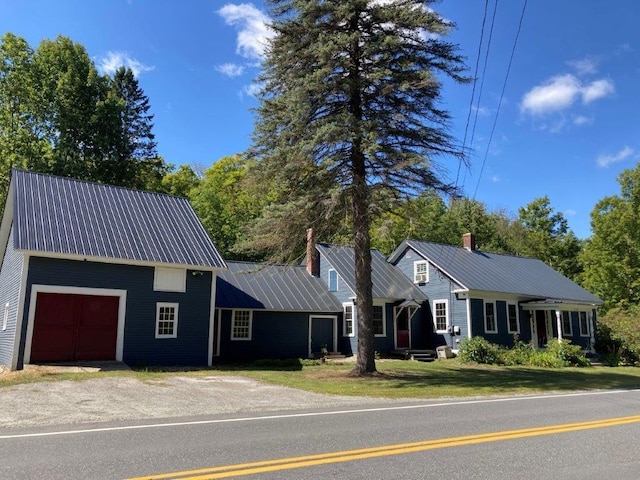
point(166, 320)
point(584, 324)
point(166, 279)
point(379, 329)
point(567, 329)
point(512, 318)
point(490, 324)
point(441, 315)
point(420, 271)
point(347, 322)
point(5, 319)
point(241, 323)
point(333, 280)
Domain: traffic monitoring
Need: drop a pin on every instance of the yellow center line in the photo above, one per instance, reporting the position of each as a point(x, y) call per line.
point(228, 471)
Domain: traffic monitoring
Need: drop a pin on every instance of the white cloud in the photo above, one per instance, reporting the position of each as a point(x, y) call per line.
point(112, 60)
point(570, 212)
point(252, 90)
point(596, 90)
point(605, 160)
point(560, 92)
point(585, 66)
point(252, 25)
point(230, 69)
point(580, 120)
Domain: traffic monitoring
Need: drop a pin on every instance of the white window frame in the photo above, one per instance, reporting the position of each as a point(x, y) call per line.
point(515, 306)
point(175, 307)
point(583, 333)
point(444, 301)
point(234, 314)
point(568, 333)
point(424, 276)
point(345, 306)
point(384, 320)
point(329, 273)
point(5, 319)
point(168, 279)
point(495, 319)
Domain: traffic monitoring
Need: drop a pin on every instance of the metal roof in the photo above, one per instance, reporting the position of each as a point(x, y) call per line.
point(70, 217)
point(273, 287)
point(388, 281)
point(491, 272)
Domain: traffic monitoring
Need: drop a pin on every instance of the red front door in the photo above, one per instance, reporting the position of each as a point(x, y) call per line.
point(402, 329)
point(70, 327)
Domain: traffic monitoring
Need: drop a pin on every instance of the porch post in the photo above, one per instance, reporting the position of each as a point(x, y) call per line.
point(592, 341)
point(559, 323)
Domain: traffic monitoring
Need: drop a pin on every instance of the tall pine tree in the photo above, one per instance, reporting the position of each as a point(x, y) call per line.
point(351, 104)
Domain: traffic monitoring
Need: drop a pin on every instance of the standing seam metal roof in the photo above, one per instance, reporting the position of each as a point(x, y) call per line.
point(491, 272)
point(72, 217)
point(273, 287)
point(388, 281)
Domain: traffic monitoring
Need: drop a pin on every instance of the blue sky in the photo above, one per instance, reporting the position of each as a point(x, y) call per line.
point(567, 123)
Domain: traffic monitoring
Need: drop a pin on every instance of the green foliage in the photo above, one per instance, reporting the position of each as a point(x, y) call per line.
point(556, 355)
point(618, 335)
point(180, 182)
point(479, 350)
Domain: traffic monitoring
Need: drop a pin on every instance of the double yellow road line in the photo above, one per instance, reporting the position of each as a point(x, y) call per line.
point(229, 471)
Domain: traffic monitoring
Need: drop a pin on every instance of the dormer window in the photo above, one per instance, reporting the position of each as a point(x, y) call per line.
point(420, 272)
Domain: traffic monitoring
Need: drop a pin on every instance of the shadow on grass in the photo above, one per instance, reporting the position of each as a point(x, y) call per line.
point(508, 379)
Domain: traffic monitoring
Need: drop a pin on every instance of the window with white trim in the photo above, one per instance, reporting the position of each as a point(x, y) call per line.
point(441, 315)
point(567, 329)
point(420, 271)
point(490, 324)
point(5, 319)
point(584, 324)
point(241, 323)
point(333, 280)
point(512, 318)
point(166, 279)
point(166, 320)
point(347, 320)
point(378, 321)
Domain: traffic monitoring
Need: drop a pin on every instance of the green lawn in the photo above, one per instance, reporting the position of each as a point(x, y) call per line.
point(395, 378)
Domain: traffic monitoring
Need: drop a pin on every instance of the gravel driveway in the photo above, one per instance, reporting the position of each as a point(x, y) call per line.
point(125, 398)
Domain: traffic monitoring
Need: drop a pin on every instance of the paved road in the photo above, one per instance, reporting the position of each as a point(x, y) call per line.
point(426, 440)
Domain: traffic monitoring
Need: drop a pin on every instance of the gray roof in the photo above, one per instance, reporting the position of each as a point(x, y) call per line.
point(388, 281)
point(273, 287)
point(491, 272)
point(69, 217)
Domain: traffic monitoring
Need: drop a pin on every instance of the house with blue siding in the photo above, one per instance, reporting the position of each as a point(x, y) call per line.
point(398, 319)
point(499, 297)
point(97, 272)
point(273, 311)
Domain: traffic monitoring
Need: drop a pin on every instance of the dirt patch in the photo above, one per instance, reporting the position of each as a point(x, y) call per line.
point(125, 398)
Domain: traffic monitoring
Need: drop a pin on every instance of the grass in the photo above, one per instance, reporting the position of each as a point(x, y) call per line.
point(395, 378)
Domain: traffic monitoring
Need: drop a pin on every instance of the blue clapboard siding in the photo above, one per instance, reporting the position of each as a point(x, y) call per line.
point(10, 281)
point(273, 335)
point(140, 345)
point(439, 287)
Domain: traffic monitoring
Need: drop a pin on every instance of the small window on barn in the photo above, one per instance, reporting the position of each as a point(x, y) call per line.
point(333, 280)
point(378, 321)
point(5, 319)
point(512, 318)
point(166, 279)
point(241, 325)
point(348, 320)
point(567, 330)
point(490, 323)
point(584, 324)
point(420, 272)
point(166, 320)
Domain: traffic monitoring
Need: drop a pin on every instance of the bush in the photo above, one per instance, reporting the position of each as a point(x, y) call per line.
point(479, 350)
point(569, 355)
point(618, 335)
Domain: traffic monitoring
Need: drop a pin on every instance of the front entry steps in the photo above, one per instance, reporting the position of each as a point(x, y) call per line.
point(412, 354)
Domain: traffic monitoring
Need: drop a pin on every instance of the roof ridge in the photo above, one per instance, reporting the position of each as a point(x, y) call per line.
point(476, 250)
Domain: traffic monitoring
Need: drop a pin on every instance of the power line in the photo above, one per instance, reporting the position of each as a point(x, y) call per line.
point(504, 87)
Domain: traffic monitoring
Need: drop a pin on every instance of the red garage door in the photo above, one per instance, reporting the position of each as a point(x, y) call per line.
point(69, 328)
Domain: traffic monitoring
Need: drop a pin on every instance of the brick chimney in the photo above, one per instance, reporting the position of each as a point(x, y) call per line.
point(469, 241)
point(313, 257)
